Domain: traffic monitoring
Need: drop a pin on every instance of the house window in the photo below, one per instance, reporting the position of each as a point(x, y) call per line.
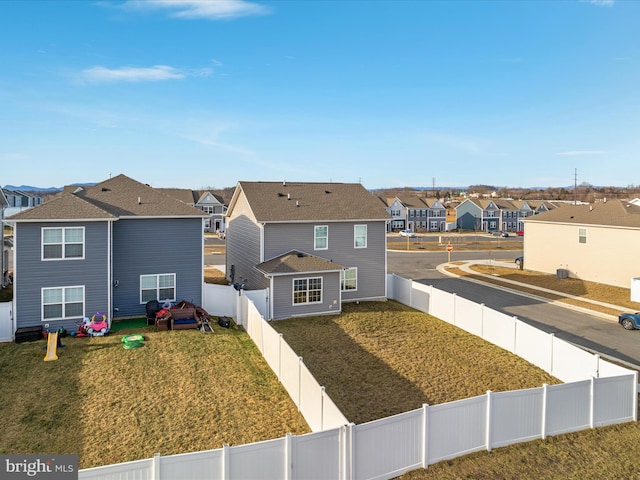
point(349, 279)
point(582, 235)
point(62, 302)
point(307, 290)
point(360, 236)
point(321, 237)
point(62, 243)
point(158, 287)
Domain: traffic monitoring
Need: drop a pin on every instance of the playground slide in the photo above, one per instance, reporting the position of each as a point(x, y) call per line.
point(52, 347)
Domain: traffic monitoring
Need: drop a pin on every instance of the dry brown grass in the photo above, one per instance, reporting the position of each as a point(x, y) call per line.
point(375, 364)
point(213, 275)
point(570, 286)
point(182, 391)
point(381, 358)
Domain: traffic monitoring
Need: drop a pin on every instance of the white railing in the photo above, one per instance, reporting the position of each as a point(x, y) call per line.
point(600, 393)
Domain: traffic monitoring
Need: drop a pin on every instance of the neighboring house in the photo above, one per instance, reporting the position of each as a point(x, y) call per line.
point(314, 245)
point(207, 202)
point(596, 242)
point(18, 201)
point(107, 248)
point(417, 213)
point(481, 215)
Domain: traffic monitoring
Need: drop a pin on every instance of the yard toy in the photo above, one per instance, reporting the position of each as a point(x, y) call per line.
point(53, 342)
point(98, 325)
point(132, 341)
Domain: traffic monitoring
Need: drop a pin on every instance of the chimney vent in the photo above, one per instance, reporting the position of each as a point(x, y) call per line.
point(297, 203)
point(288, 196)
point(139, 201)
point(284, 183)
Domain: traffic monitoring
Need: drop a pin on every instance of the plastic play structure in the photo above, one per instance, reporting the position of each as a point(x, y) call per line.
point(98, 325)
point(53, 342)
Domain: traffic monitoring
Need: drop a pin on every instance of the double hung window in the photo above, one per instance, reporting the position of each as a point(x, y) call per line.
point(307, 290)
point(59, 303)
point(62, 243)
point(158, 287)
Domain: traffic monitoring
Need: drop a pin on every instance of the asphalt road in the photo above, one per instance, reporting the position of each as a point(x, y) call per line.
point(588, 331)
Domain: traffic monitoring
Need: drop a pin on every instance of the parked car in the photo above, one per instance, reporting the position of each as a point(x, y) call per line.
point(407, 233)
point(520, 233)
point(504, 234)
point(629, 321)
point(519, 261)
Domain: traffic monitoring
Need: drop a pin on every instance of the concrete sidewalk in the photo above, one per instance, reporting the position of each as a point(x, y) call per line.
point(466, 267)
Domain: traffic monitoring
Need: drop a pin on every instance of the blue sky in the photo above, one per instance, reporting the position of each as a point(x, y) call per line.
point(191, 94)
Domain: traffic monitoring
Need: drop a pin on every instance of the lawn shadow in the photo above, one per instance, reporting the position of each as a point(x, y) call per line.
point(340, 355)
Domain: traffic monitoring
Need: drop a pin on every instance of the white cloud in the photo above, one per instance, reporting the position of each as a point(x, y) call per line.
point(602, 3)
point(209, 10)
point(573, 153)
point(134, 74)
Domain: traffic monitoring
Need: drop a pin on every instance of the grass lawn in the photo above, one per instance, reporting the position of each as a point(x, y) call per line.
point(187, 391)
point(382, 358)
point(182, 391)
point(571, 286)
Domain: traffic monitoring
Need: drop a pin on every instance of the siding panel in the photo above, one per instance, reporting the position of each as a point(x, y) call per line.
point(156, 246)
point(32, 274)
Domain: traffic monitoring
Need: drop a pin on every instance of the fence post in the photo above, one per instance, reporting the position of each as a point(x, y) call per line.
point(288, 456)
point(226, 474)
point(300, 384)
point(280, 356)
point(322, 394)
point(488, 426)
point(597, 360)
point(543, 428)
point(635, 396)
point(425, 435)
point(552, 338)
point(592, 410)
point(155, 467)
point(350, 467)
point(430, 299)
point(482, 320)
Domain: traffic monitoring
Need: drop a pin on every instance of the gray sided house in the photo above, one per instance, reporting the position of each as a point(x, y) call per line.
point(314, 245)
point(107, 248)
point(207, 202)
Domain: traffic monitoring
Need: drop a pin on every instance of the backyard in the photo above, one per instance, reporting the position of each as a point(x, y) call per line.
point(186, 391)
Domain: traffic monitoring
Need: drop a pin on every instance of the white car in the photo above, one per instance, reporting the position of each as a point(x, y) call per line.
point(407, 233)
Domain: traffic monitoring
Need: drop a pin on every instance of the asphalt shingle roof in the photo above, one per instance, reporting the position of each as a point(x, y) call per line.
point(297, 262)
point(612, 213)
point(292, 202)
point(117, 197)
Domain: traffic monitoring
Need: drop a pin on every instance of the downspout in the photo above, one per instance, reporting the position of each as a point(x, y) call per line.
point(110, 272)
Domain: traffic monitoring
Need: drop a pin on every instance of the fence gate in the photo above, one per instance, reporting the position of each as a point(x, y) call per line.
point(6, 322)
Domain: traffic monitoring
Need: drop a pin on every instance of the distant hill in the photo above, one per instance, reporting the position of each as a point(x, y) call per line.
point(29, 188)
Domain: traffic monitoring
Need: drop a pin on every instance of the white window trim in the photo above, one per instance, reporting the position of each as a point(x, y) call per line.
point(315, 237)
point(342, 279)
point(63, 317)
point(355, 236)
point(62, 243)
point(582, 234)
point(157, 275)
point(307, 279)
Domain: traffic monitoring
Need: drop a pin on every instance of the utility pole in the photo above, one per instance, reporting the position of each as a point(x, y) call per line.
point(575, 186)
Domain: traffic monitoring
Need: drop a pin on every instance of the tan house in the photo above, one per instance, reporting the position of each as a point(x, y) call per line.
point(596, 242)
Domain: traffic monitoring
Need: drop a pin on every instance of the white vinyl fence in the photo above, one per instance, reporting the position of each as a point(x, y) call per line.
point(6, 322)
point(600, 393)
